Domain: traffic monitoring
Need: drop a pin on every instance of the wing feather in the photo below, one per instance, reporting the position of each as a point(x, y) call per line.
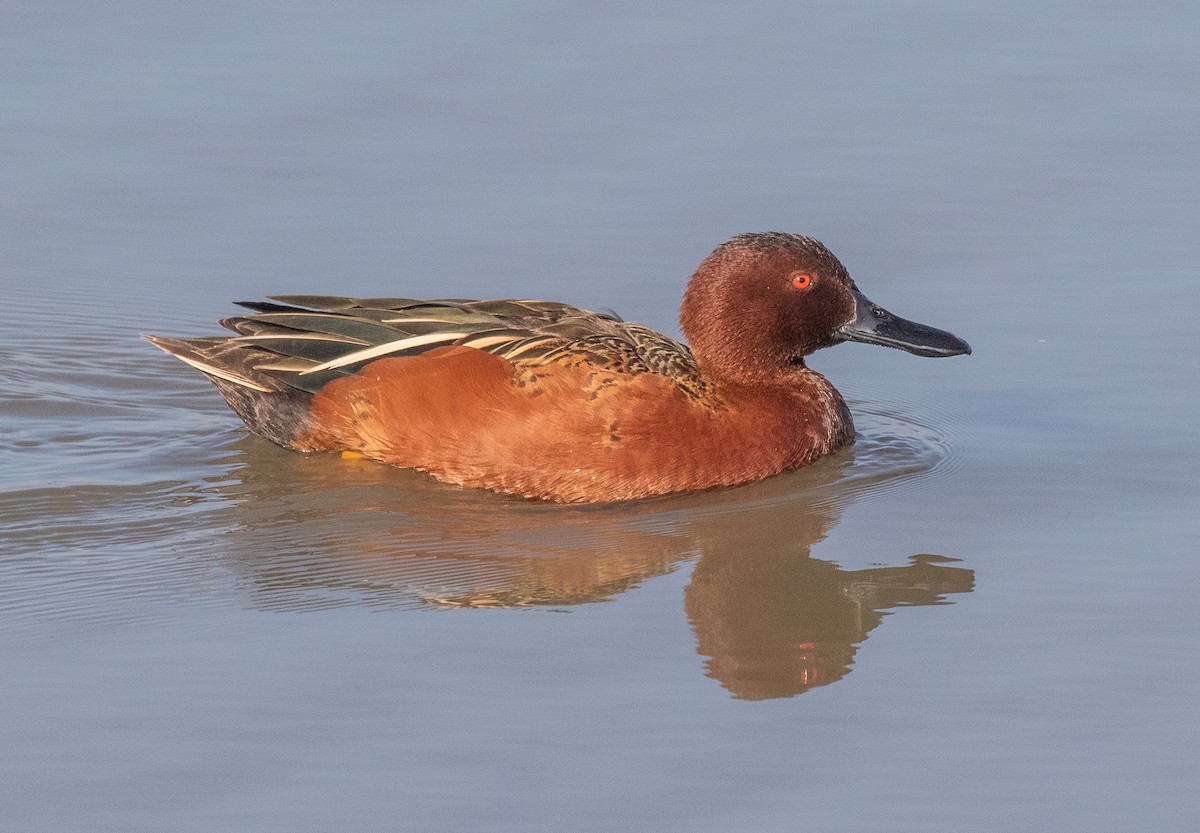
point(305, 341)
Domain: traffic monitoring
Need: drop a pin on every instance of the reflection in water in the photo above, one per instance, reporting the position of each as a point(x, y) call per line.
point(778, 625)
point(772, 621)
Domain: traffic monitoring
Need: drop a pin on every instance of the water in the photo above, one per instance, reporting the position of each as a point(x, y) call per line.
point(979, 618)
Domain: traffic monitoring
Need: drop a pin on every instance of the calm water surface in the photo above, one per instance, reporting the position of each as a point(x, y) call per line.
point(981, 617)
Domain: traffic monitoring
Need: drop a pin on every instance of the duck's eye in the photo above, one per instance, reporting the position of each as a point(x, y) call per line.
point(802, 280)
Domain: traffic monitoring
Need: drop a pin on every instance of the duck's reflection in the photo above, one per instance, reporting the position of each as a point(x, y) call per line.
point(784, 624)
point(771, 620)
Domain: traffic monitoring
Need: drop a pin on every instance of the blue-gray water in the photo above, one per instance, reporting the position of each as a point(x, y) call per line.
point(983, 617)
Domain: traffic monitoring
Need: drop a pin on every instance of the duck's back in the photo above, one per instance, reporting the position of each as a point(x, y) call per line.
point(303, 342)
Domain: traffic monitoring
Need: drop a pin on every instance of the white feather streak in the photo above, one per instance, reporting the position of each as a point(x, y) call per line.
point(384, 349)
point(223, 374)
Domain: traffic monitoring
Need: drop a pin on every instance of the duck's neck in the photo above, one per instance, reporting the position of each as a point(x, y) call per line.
point(795, 373)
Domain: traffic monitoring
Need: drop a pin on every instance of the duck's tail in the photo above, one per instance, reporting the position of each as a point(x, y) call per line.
point(268, 406)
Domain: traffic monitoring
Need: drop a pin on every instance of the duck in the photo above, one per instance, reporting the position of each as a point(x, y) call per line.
point(547, 401)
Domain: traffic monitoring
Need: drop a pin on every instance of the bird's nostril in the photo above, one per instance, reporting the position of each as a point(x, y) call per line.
point(879, 313)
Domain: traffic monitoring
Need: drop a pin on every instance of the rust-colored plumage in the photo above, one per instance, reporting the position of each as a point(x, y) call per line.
point(548, 401)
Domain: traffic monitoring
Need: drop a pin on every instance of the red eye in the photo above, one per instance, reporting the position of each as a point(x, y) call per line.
point(801, 281)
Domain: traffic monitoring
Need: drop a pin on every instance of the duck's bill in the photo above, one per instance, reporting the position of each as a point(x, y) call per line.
point(872, 324)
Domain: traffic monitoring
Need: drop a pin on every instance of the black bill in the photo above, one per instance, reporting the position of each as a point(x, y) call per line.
point(872, 324)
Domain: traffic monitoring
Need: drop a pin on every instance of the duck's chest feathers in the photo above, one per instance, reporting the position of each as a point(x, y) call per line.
point(646, 430)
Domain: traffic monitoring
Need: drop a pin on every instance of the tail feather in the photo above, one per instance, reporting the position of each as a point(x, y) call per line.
point(206, 355)
point(268, 405)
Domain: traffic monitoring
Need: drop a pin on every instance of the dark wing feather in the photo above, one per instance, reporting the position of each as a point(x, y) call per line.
point(304, 341)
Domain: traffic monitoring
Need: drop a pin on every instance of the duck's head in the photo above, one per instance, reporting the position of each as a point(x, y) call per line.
point(761, 302)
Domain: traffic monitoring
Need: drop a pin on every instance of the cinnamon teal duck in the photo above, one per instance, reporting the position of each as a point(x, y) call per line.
point(545, 400)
